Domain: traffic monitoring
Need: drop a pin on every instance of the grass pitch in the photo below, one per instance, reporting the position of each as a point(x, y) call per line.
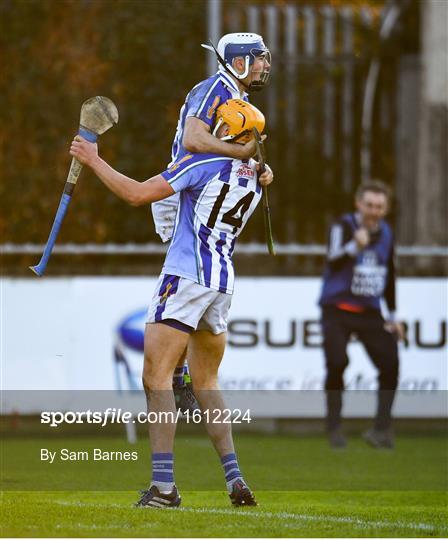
point(359, 492)
point(208, 514)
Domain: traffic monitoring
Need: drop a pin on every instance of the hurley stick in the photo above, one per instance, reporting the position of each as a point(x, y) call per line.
point(261, 157)
point(98, 114)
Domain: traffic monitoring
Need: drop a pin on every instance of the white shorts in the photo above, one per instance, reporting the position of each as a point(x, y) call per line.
point(198, 307)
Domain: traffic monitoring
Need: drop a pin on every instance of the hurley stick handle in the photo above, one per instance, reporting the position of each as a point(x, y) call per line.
point(261, 156)
point(76, 166)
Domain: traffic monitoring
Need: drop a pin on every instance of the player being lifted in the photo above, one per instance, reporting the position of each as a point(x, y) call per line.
point(244, 64)
point(193, 296)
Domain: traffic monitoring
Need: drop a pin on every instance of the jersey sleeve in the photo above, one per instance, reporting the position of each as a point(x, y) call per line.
point(341, 245)
point(204, 99)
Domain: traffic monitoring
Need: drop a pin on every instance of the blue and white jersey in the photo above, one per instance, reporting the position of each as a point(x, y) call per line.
point(201, 102)
point(217, 197)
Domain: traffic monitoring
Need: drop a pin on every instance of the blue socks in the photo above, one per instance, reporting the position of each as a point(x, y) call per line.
point(231, 470)
point(178, 378)
point(181, 376)
point(163, 472)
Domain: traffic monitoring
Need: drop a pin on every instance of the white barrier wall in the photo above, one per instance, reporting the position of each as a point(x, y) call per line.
point(59, 333)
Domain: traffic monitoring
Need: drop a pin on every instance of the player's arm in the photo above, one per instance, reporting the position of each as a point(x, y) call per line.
point(130, 190)
point(198, 139)
point(342, 246)
point(389, 291)
point(392, 324)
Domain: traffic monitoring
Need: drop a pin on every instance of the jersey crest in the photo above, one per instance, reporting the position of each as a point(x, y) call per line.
point(176, 165)
point(212, 109)
point(245, 171)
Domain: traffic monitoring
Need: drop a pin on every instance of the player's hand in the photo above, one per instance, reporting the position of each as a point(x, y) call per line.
point(248, 150)
point(83, 150)
point(396, 328)
point(362, 238)
point(267, 177)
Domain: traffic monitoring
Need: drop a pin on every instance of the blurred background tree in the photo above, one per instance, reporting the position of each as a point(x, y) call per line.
point(143, 55)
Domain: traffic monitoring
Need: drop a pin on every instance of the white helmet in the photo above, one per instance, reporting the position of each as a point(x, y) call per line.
point(246, 45)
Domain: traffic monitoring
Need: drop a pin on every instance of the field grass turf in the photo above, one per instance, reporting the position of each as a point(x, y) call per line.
point(208, 514)
point(359, 492)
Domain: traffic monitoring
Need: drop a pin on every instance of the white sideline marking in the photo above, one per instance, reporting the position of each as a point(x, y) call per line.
point(308, 517)
point(357, 522)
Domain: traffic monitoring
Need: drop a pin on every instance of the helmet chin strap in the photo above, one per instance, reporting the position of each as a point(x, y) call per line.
point(218, 125)
point(235, 138)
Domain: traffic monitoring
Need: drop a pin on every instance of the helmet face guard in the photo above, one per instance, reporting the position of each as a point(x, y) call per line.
point(257, 85)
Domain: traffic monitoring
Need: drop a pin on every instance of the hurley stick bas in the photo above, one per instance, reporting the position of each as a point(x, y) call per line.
point(261, 157)
point(98, 114)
